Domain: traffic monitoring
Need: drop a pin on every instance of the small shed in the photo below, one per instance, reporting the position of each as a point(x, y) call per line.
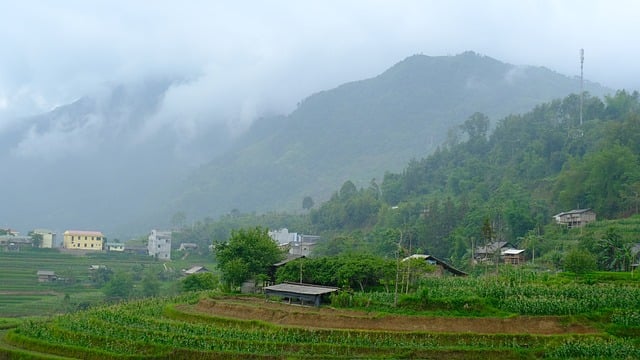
point(46, 276)
point(303, 292)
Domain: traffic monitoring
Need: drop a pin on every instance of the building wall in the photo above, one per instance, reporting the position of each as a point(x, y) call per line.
point(159, 244)
point(48, 238)
point(83, 240)
point(283, 236)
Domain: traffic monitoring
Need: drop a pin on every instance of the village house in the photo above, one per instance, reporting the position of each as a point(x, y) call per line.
point(113, 246)
point(294, 243)
point(46, 276)
point(441, 267)
point(502, 251)
point(491, 251)
point(159, 245)
point(513, 256)
point(48, 238)
point(83, 240)
point(283, 237)
point(575, 218)
point(15, 242)
point(301, 248)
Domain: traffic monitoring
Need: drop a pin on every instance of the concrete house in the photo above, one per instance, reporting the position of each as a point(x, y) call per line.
point(83, 240)
point(48, 238)
point(159, 245)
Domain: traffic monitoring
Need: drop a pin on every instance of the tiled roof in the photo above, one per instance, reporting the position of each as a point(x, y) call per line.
point(83, 233)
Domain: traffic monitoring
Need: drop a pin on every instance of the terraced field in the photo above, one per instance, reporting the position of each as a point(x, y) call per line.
point(208, 326)
point(22, 295)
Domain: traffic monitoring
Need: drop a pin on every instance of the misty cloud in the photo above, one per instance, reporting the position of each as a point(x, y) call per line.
point(241, 60)
point(60, 141)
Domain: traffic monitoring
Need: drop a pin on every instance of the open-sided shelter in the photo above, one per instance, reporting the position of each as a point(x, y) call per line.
point(303, 292)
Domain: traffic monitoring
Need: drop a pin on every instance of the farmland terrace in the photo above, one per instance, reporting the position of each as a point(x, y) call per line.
point(251, 308)
point(210, 326)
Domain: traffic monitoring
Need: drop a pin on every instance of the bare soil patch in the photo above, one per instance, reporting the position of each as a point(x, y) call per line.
point(330, 318)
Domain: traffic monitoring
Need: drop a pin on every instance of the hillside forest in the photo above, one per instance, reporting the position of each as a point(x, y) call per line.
point(487, 183)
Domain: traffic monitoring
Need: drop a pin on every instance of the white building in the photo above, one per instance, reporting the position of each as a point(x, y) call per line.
point(159, 244)
point(283, 236)
point(48, 238)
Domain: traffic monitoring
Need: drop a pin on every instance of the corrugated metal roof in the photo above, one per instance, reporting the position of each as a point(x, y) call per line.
point(301, 288)
point(512, 252)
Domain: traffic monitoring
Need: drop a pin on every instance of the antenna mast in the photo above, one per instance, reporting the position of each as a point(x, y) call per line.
point(581, 83)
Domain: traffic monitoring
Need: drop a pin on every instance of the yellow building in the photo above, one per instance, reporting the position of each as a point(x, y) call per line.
point(83, 240)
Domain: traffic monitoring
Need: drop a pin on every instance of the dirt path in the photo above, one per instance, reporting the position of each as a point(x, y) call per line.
point(328, 318)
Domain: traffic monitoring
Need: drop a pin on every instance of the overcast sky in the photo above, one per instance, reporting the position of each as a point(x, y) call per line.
point(244, 58)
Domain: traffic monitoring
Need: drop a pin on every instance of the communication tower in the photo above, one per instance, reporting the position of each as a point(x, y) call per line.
point(581, 83)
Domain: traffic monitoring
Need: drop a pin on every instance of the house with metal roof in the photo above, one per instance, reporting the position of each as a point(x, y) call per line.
point(575, 218)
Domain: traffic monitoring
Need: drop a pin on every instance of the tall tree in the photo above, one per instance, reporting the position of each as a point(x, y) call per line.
point(120, 287)
point(248, 253)
point(307, 203)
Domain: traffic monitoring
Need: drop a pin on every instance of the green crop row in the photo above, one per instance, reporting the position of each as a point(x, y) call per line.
point(142, 329)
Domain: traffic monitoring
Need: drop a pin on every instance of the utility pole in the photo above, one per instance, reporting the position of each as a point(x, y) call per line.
point(395, 295)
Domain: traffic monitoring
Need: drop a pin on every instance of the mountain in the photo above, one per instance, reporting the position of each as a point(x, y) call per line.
point(118, 161)
point(360, 130)
point(96, 163)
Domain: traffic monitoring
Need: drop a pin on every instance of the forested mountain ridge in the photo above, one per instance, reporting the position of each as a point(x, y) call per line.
point(500, 185)
point(361, 129)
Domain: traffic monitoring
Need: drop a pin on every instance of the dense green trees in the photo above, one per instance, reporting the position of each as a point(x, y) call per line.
point(510, 180)
point(361, 272)
point(350, 208)
point(197, 282)
point(579, 261)
point(248, 253)
point(120, 287)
